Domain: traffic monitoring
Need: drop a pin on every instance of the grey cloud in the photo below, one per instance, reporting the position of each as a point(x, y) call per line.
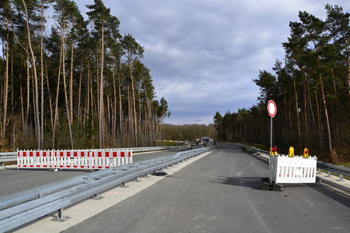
point(203, 54)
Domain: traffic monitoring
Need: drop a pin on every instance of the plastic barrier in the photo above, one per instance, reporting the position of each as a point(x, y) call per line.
point(284, 169)
point(106, 159)
point(73, 159)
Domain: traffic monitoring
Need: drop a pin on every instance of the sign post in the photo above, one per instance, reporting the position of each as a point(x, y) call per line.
point(272, 110)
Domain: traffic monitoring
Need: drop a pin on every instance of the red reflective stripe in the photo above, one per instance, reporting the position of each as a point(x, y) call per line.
point(106, 154)
point(114, 154)
point(75, 166)
point(107, 166)
point(37, 165)
point(24, 154)
point(44, 153)
point(122, 154)
point(31, 165)
point(99, 167)
point(61, 153)
point(93, 154)
point(99, 154)
point(24, 165)
point(61, 166)
point(82, 166)
point(68, 165)
point(82, 154)
point(37, 154)
point(75, 154)
point(19, 165)
point(68, 153)
point(129, 154)
point(45, 166)
point(31, 154)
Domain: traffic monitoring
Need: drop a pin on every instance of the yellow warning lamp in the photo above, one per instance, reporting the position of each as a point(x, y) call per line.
point(291, 152)
point(306, 153)
point(275, 150)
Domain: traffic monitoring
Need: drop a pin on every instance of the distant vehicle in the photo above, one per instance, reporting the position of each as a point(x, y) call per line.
point(207, 141)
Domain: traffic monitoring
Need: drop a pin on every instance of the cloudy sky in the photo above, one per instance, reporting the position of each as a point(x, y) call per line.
point(203, 54)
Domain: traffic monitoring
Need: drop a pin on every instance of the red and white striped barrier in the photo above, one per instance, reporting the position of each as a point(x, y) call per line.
point(106, 159)
point(284, 169)
point(73, 159)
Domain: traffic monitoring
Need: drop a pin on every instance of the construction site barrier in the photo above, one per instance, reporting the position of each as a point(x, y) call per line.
point(284, 169)
point(73, 159)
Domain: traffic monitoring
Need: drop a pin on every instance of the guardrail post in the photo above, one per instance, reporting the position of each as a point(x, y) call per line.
point(329, 174)
point(97, 197)
point(319, 171)
point(60, 217)
point(340, 177)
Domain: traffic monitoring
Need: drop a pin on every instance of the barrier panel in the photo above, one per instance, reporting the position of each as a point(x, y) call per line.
point(106, 159)
point(284, 169)
point(73, 159)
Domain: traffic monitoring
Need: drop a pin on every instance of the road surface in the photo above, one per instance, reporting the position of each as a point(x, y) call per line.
point(220, 193)
point(13, 180)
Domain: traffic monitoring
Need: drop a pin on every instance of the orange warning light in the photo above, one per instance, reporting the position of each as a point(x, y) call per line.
point(306, 153)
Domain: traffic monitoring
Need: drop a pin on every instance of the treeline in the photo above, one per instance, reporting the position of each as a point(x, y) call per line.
point(82, 86)
point(188, 132)
point(311, 87)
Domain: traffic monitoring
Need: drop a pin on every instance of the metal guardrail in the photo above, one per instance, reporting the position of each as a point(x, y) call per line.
point(342, 171)
point(4, 157)
point(20, 208)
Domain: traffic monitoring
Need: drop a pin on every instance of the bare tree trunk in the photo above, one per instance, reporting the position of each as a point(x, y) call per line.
point(71, 80)
point(115, 108)
point(79, 94)
point(28, 100)
point(35, 79)
point(120, 104)
point(324, 103)
point(297, 109)
point(6, 86)
point(65, 87)
point(57, 91)
point(305, 106)
point(50, 101)
point(133, 102)
point(100, 111)
point(12, 113)
point(42, 72)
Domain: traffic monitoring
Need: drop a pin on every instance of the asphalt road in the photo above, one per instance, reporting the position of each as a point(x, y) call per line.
point(220, 193)
point(13, 180)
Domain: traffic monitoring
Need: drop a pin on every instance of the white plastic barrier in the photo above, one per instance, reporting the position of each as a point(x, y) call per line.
point(284, 169)
point(73, 159)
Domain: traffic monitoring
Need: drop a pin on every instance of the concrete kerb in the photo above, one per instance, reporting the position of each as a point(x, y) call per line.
point(90, 207)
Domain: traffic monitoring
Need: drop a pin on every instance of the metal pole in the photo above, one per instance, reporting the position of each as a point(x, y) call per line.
point(271, 137)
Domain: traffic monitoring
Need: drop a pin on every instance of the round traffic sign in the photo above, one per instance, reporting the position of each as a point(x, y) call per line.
point(272, 108)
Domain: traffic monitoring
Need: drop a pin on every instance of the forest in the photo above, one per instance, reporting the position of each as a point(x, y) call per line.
point(188, 132)
point(75, 83)
point(311, 88)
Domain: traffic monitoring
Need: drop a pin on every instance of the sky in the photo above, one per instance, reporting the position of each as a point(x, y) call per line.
point(204, 54)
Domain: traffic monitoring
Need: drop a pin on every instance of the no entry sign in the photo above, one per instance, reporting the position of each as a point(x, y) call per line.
point(272, 108)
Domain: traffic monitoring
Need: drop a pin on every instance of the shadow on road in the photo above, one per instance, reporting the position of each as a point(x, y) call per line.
point(251, 182)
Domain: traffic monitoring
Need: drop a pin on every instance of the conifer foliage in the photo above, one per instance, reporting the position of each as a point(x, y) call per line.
point(82, 86)
point(311, 87)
